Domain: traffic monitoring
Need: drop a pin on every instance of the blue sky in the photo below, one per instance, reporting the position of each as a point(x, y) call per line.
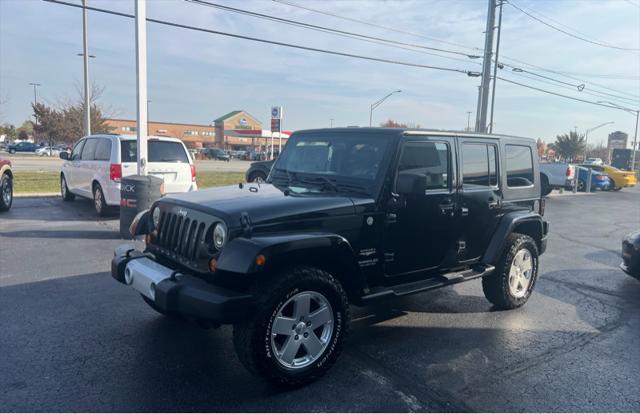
point(196, 77)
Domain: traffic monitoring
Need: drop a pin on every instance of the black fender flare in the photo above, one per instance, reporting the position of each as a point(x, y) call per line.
point(507, 225)
point(239, 255)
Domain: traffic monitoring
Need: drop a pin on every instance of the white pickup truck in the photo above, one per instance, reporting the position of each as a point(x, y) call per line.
point(556, 175)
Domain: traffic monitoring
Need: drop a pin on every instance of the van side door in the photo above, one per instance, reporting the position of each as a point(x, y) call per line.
point(72, 166)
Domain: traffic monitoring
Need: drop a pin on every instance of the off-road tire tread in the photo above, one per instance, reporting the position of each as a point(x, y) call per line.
point(247, 335)
point(496, 285)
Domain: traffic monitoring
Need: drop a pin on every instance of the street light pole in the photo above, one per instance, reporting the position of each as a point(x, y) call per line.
point(635, 132)
point(586, 136)
point(377, 104)
point(35, 103)
point(85, 58)
point(331, 120)
point(468, 121)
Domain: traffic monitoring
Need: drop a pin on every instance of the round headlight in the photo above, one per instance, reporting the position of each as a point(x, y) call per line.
point(219, 235)
point(155, 215)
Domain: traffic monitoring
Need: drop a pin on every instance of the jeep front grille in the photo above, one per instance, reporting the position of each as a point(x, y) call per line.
point(182, 238)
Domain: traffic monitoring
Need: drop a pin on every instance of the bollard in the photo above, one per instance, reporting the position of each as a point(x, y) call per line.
point(587, 188)
point(137, 193)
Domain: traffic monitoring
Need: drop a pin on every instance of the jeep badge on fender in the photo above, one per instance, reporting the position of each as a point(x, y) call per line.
point(346, 216)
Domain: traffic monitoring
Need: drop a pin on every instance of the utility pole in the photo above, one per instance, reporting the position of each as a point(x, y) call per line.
point(141, 83)
point(85, 58)
point(331, 120)
point(495, 68)
point(481, 112)
point(468, 121)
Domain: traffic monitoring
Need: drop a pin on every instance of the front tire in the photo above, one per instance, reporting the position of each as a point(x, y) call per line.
point(581, 186)
point(6, 192)
point(511, 284)
point(546, 188)
point(64, 190)
point(257, 177)
point(298, 329)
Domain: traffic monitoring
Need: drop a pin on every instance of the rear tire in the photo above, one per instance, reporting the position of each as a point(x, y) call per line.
point(98, 201)
point(6, 192)
point(516, 273)
point(64, 190)
point(581, 186)
point(298, 329)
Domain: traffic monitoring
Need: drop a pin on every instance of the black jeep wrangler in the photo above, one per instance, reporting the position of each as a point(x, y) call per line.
point(347, 216)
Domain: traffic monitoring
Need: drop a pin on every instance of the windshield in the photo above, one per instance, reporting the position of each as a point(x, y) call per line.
point(332, 163)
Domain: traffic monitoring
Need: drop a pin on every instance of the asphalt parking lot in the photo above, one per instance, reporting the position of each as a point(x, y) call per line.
point(72, 339)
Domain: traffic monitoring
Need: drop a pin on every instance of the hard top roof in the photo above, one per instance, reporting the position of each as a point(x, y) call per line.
point(409, 131)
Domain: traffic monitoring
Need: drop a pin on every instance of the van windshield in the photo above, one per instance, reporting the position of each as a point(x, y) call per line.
point(159, 151)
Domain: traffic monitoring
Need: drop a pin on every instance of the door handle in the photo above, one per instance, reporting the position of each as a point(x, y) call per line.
point(447, 207)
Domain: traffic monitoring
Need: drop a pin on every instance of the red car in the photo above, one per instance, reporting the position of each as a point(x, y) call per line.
point(6, 185)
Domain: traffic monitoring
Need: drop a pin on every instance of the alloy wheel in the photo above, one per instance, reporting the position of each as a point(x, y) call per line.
point(302, 329)
point(520, 273)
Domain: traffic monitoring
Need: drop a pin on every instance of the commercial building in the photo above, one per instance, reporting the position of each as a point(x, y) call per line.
point(237, 130)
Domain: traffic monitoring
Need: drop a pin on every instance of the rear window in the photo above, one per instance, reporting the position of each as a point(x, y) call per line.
point(159, 151)
point(519, 163)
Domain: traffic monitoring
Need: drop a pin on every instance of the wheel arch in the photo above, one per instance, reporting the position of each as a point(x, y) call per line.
point(328, 252)
point(524, 222)
point(6, 170)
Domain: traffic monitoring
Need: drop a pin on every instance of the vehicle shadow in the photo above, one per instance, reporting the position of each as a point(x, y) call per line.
point(64, 234)
point(53, 209)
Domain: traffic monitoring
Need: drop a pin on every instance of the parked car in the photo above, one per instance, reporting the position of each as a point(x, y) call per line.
point(556, 175)
point(49, 151)
point(6, 185)
point(593, 161)
point(216, 154)
point(22, 147)
point(631, 254)
point(258, 171)
point(599, 180)
point(618, 179)
point(349, 216)
point(97, 164)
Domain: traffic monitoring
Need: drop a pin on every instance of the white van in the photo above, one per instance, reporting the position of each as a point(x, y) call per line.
point(97, 164)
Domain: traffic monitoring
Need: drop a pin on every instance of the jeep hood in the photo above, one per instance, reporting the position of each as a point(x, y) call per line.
point(265, 204)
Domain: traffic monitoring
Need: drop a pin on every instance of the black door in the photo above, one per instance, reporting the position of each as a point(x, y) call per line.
point(480, 198)
point(421, 231)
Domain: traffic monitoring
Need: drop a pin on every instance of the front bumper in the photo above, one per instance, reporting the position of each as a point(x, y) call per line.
point(178, 293)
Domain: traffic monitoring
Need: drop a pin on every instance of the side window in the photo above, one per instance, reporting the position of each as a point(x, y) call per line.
point(519, 165)
point(89, 149)
point(103, 150)
point(423, 166)
point(479, 167)
point(77, 150)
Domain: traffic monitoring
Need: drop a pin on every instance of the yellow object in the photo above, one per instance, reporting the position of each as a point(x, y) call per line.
point(618, 178)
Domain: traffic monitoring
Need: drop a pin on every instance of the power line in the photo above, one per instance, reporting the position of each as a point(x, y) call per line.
point(326, 29)
point(479, 50)
point(237, 36)
point(393, 29)
point(272, 42)
point(367, 38)
point(584, 39)
point(556, 94)
point(591, 93)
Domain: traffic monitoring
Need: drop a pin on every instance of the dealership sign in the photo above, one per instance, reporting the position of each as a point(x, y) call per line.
point(276, 118)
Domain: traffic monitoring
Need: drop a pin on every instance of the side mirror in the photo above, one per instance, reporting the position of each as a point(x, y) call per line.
point(409, 182)
point(64, 155)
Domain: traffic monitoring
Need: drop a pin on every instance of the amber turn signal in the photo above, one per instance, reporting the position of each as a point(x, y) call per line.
point(213, 264)
point(260, 260)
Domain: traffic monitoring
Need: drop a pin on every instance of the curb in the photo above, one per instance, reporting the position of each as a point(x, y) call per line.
point(35, 195)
